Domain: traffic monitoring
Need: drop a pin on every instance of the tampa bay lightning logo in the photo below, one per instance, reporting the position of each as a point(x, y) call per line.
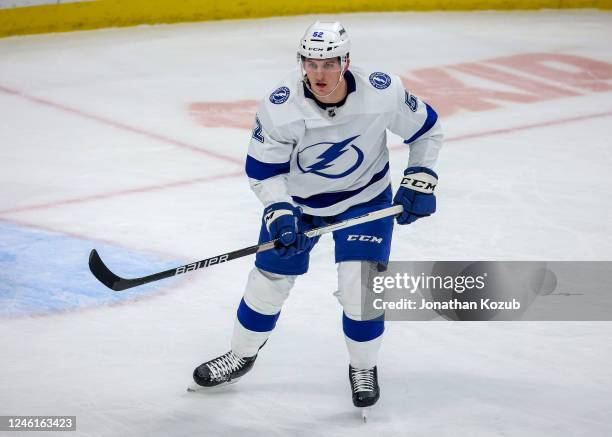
point(330, 160)
point(380, 80)
point(280, 95)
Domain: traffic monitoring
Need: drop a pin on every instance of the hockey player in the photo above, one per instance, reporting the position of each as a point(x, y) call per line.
point(318, 155)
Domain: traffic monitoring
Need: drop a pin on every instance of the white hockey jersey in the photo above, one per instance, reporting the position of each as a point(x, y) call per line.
point(329, 159)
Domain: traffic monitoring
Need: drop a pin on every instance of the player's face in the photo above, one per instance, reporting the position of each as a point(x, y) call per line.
point(323, 74)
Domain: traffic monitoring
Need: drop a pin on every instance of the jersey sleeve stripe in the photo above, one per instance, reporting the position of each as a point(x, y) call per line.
point(431, 119)
point(263, 170)
point(325, 200)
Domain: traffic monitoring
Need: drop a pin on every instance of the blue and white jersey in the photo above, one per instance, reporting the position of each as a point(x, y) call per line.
point(327, 160)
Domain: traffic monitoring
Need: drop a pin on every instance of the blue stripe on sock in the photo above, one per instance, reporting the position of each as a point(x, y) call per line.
point(254, 321)
point(363, 330)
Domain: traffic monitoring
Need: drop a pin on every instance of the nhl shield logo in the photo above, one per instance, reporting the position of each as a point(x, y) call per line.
point(281, 95)
point(380, 80)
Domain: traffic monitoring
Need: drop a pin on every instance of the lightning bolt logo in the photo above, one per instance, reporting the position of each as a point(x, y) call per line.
point(327, 159)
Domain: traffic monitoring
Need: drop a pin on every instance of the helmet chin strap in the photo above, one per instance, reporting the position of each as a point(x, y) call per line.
point(323, 95)
point(340, 79)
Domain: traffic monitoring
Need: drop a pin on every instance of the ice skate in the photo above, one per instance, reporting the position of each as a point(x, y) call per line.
point(224, 370)
point(364, 387)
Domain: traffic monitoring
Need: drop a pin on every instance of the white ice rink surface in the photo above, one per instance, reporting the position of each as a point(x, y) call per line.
point(98, 148)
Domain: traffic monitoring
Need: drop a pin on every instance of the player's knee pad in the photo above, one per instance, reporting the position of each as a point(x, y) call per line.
point(266, 292)
point(351, 289)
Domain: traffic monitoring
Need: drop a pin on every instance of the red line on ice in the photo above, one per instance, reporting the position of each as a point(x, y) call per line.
point(517, 128)
point(119, 125)
point(235, 174)
point(529, 126)
point(122, 193)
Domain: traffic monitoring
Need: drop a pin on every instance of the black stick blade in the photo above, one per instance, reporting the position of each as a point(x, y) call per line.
point(103, 274)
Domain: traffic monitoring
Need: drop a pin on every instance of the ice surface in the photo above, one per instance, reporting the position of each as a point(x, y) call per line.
point(97, 144)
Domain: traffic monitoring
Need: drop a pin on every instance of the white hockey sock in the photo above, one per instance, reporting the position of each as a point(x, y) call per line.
point(363, 354)
point(246, 343)
point(264, 296)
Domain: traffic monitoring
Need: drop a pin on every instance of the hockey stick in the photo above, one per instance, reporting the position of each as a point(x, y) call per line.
point(117, 283)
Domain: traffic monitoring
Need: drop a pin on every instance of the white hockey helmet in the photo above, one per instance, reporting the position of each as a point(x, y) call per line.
point(324, 40)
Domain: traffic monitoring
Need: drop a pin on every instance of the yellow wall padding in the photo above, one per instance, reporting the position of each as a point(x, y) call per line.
point(115, 13)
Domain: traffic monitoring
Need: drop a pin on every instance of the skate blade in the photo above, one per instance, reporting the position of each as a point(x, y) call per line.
point(365, 411)
point(193, 387)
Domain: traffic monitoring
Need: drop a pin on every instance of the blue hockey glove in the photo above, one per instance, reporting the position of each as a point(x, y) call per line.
point(284, 221)
point(416, 194)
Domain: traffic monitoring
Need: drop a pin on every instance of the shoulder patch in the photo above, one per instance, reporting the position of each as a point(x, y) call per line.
point(280, 95)
point(380, 80)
